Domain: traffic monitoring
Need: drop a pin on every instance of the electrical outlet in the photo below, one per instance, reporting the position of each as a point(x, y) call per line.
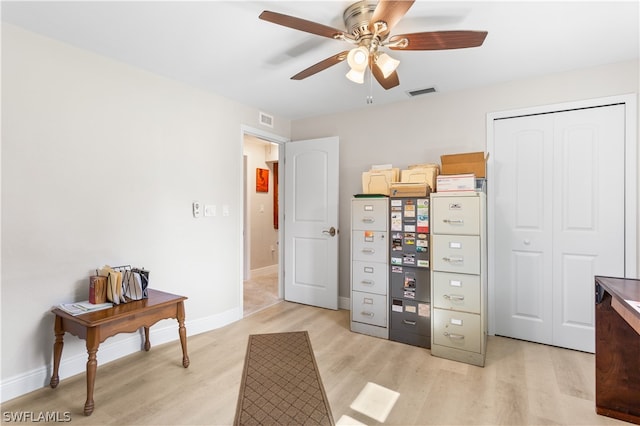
point(197, 209)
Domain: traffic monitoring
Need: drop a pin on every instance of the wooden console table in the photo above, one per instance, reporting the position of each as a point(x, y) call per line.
point(617, 349)
point(96, 327)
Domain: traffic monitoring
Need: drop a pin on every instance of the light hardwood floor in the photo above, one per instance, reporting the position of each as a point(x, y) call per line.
point(522, 383)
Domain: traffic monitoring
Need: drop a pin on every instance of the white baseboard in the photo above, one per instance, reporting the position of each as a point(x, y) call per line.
point(344, 303)
point(164, 332)
point(271, 269)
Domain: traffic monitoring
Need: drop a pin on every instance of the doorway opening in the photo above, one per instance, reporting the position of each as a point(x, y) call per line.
point(261, 255)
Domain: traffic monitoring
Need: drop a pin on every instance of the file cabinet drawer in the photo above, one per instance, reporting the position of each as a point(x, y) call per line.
point(458, 330)
point(369, 246)
point(369, 308)
point(410, 316)
point(456, 253)
point(369, 214)
point(455, 215)
point(370, 277)
point(456, 291)
point(410, 283)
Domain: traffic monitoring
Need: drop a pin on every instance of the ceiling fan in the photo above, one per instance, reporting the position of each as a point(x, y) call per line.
point(369, 26)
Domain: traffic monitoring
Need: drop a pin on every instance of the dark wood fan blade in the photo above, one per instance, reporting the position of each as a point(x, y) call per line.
point(390, 12)
point(300, 24)
point(439, 40)
point(322, 65)
point(386, 83)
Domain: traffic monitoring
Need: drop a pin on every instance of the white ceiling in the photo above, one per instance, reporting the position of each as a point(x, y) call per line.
point(222, 46)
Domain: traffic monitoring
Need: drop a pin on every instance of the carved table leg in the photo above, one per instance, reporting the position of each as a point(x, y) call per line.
point(57, 350)
point(147, 343)
point(183, 335)
point(92, 365)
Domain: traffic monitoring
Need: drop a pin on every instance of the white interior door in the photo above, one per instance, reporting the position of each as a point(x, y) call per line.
point(523, 227)
point(559, 220)
point(311, 222)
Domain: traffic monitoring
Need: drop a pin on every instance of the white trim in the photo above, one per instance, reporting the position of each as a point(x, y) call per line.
point(164, 332)
point(631, 180)
point(263, 271)
point(280, 140)
point(344, 303)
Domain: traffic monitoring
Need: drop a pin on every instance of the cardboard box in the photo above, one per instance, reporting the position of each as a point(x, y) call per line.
point(400, 189)
point(422, 173)
point(379, 181)
point(457, 183)
point(471, 162)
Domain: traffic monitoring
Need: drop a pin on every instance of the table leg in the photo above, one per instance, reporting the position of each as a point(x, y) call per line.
point(57, 350)
point(92, 365)
point(147, 343)
point(183, 334)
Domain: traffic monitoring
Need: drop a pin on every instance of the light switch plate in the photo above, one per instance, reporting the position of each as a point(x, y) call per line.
point(209, 210)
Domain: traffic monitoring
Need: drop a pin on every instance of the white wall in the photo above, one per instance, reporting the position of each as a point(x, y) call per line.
point(100, 165)
point(423, 128)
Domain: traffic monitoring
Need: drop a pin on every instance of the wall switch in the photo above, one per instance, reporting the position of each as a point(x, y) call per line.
point(209, 210)
point(197, 209)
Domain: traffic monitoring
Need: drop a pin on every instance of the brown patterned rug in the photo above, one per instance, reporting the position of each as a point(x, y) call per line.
point(281, 384)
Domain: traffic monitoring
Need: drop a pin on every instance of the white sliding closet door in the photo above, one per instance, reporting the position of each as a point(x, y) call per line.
point(559, 220)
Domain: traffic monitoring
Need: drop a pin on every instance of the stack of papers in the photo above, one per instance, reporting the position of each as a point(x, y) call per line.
point(85, 307)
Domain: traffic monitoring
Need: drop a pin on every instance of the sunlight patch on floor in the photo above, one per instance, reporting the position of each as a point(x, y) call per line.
point(348, 421)
point(375, 401)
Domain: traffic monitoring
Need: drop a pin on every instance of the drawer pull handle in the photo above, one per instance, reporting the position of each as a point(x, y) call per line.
point(368, 282)
point(368, 250)
point(368, 220)
point(453, 335)
point(453, 221)
point(453, 297)
point(453, 259)
point(367, 314)
point(409, 322)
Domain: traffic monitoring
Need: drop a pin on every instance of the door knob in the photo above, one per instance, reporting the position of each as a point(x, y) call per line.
point(331, 231)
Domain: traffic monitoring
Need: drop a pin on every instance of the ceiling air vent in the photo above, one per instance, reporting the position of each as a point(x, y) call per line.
point(419, 92)
point(266, 120)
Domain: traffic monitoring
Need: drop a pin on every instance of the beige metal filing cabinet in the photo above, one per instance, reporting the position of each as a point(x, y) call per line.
point(459, 276)
point(369, 266)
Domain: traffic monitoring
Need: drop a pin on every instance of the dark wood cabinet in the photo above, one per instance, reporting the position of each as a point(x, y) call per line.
point(617, 349)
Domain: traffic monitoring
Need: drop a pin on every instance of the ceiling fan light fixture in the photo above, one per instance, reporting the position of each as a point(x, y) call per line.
point(356, 76)
point(387, 64)
point(358, 58)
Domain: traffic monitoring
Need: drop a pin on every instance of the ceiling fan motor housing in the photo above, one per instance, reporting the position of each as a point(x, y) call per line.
point(357, 17)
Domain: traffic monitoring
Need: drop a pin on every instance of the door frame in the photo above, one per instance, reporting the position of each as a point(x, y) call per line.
point(631, 180)
point(280, 140)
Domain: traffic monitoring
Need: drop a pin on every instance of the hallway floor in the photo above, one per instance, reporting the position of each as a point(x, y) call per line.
point(260, 292)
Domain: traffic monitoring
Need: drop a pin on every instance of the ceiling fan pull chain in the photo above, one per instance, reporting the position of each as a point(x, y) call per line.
point(370, 97)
